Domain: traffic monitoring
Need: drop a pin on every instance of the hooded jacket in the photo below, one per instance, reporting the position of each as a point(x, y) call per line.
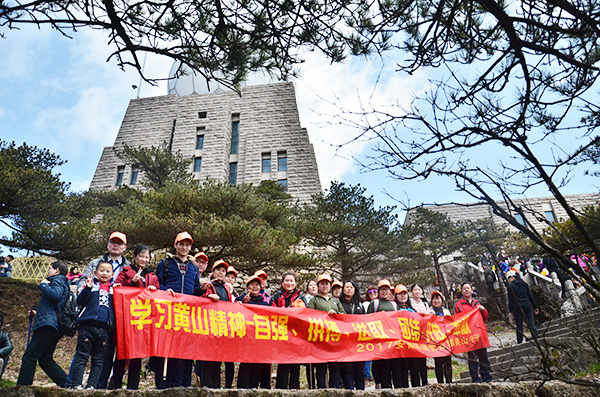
point(54, 297)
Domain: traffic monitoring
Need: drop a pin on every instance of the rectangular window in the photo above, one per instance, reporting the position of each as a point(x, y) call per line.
point(235, 136)
point(120, 173)
point(134, 176)
point(197, 164)
point(233, 173)
point(550, 216)
point(201, 115)
point(199, 142)
point(283, 182)
point(281, 161)
point(266, 163)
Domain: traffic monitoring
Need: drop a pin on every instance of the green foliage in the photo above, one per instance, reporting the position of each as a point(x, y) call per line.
point(160, 166)
point(236, 223)
point(35, 204)
point(356, 238)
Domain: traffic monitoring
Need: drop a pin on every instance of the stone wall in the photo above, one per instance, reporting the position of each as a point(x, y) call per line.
point(268, 123)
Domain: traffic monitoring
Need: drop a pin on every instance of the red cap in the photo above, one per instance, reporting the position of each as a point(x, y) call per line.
point(337, 283)
point(118, 236)
point(184, 236)
point(384, 283)
point(201, 255)
point(231, 269)
point(220, 262)
point(436, 292)
point(323, 277)
point(262, 274)
point(401, 288)
point(252, 278)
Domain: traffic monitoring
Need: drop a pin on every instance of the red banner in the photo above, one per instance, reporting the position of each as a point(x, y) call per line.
point(154, 323)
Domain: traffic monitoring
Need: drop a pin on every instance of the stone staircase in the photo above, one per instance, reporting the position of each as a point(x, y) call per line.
point(565, 346)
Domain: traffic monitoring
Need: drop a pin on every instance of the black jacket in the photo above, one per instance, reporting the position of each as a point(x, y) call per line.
point(6, 345)
point(519, 294)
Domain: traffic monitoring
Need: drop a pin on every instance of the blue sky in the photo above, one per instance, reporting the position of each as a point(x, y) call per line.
point(62, 94)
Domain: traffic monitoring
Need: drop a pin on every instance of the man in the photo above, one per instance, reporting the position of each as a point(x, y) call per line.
point(478, 359)
point(55, 290)
point(116, 246)
point(490, 278)
point(328, 304)
point(521, 303)
point(6, 347)
point(177, 273)
point(201, 260)
point(6, 267)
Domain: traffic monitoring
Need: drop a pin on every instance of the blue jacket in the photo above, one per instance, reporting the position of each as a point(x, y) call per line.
point(169, 276)
point(98, 307)
point(54, 297)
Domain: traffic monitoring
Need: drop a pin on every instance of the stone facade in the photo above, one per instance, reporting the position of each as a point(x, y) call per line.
point(269, 127)
point(537, 211)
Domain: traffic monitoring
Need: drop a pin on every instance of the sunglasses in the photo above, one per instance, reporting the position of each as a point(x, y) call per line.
point(372, 291)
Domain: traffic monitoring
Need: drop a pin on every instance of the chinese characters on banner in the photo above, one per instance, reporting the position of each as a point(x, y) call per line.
point(154, 323)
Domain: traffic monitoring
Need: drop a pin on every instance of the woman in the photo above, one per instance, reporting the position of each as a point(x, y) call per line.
point(352, 372)
point(420, 306)
point(73, 275)
point(249, 374)
point(311, 290)
point(443, 365)
point(382, 368)
point(288, 375)
point(371, 294)
point(136, 275)
point(401, 366)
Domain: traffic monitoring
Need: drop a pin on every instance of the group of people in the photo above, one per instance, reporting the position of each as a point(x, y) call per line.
point(5, 266)
point(182, 273)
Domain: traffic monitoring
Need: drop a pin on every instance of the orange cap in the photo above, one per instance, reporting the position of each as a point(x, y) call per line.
point(262, 274)
point(231, 269)
point(252, 278)
point(184, 236)
point(220, 262)
point(337, 283)
point(118, 236)
point(436, 292)
point(384, 283)
point(400, 288)
point(201, 255)
point(323, 277)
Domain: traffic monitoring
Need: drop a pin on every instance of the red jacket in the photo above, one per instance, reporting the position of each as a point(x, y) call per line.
point(148, 278)
point(463, 305)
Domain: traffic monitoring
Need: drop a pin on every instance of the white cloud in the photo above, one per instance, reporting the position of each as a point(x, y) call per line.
point(325, 89)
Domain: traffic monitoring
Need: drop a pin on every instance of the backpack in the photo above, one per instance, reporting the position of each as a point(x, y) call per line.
point(67, 318)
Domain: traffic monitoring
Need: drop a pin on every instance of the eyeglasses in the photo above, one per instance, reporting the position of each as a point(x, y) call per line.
point(116, 242)
point(372, 291)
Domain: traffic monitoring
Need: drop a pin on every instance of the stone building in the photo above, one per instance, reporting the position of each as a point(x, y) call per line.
point(536, 211)
point(235, 138)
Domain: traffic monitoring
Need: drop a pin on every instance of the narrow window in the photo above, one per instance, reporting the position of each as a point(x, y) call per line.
point(134, 176)
point(199, 142)
point(201, 115)
point(197, 164)
point(550, 216)
point(281, 161)
point(233, 173)
point(519, 218)
point(120, 172)
point(283, 182)
point(266, 163)
point(235, 133)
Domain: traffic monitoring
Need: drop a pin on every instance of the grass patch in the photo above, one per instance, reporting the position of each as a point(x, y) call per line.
point(457, 369)
point(7, 383)
point(593, 370)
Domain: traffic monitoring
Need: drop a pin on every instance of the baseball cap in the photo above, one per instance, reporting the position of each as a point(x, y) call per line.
point(436, 292)
point(231, 269)
point(261, 274)
point(337, 283)
point(252, 278)
point(118, 236)
point(201, 255)
point(220, 262)
point(384, 283)
point(184, 236)
point(400, 288)
point(323, 277)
